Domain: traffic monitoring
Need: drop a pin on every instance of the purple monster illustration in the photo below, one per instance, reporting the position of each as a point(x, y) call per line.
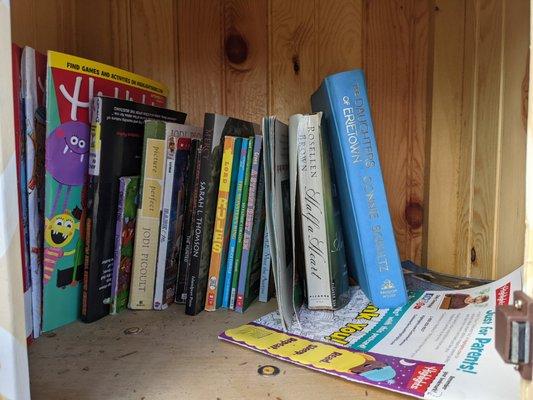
point(67, 149)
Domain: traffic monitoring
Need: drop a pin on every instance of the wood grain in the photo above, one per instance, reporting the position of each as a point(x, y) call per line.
point(54, 22)
point(246, 59)
point(446, 128)
point(293, 53)
point(200, 71)
point(22, 32)
point(511, 197)
point(339, 36)
point(174, 357)
point(154, 50)
point(397, 41)
point(109, 25)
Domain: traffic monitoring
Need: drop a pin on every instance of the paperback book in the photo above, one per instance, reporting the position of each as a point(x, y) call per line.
point(71, 84)
point(128, 199)
point(216, 127)
point(322, 239)
point(223, 219)
point(157, 135)
point(177, 158)
point(33, 68)
point(117, 134)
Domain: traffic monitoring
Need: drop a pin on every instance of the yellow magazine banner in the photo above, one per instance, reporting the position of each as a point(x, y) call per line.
point(68, 62)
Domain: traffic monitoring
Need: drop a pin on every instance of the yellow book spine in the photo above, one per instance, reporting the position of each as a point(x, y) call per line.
point(147, 228)
point(217, 248)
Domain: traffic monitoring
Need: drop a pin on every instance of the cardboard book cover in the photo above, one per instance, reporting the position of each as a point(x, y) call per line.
point(33, 74)
point(128, 200)
point(117, 135)
point(216, 127)
point(178, 148)
point(71, 83)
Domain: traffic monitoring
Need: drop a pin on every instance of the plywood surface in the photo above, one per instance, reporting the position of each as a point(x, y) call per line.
point(174, 357)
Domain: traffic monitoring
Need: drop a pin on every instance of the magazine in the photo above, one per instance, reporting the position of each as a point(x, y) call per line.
point(439, 345)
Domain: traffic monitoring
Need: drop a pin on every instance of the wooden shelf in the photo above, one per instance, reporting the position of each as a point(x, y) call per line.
point(175, 356)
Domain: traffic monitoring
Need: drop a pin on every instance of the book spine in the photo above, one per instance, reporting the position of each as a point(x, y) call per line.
point(197, 283)
point(148, 218)
point(230, 260)
point(248, 227)
point(92, 197)
point(118, 245)
point(219, 231)
point(242, 222)
point(193, 176)
point(361, 188)
point(311, 188)
point(265, 270)
point(159, 302)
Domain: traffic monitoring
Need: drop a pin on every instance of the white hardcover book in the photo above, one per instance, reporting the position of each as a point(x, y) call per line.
point(313, 215)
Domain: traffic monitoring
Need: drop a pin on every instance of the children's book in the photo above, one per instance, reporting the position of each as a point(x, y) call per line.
point(128, 199)
point(33, 70)
point(371, 251)
point(230, 259)
point(223, 219)
point(240, 227)
point(177, 157)
point(20, 157)
point(216, 127)
point(71, 83)
point(250, 269)
point(117, 133)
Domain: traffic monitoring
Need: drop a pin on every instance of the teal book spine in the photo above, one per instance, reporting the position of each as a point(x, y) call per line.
point(242, 220)
point(370, 243)
point(230, 259)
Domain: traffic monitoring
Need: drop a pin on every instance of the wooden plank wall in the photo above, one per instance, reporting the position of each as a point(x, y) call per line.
point(477, 172)
point(444, 171)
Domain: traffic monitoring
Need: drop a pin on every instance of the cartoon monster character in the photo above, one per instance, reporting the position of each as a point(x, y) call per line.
point(58, 233)
point(66, 159)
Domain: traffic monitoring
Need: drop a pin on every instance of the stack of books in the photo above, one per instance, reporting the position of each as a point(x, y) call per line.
point(122, 205)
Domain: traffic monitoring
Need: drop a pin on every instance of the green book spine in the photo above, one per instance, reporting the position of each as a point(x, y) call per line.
point(242, 220)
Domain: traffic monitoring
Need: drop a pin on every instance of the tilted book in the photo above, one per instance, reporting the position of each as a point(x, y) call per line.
point(322, 239)
point(223, 218)
point(128, 199)
point(216, 127)
point(157, 136)
point(265, 284)
point(230, 260)
point(71, 84)
point(33, 70)
point(370, 246)
point(117, 135)
point(241, 224)
point(178, 147)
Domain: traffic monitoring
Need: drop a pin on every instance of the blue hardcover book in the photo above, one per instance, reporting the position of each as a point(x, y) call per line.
point(370, 244)
point(235, 224)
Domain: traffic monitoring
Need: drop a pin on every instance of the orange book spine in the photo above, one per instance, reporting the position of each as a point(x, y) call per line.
point(217, 248)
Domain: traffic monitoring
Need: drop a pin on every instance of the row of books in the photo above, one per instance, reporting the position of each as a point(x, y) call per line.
point(131, 207)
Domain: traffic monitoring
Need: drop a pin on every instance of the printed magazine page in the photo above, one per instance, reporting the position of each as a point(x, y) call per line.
point(439, 345)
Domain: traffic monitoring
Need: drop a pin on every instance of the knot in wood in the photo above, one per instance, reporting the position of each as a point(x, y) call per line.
point(236, 48)
point(414, 215)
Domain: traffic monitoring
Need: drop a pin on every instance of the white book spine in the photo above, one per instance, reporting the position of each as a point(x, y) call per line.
point(314, 234)
point(159, 293)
